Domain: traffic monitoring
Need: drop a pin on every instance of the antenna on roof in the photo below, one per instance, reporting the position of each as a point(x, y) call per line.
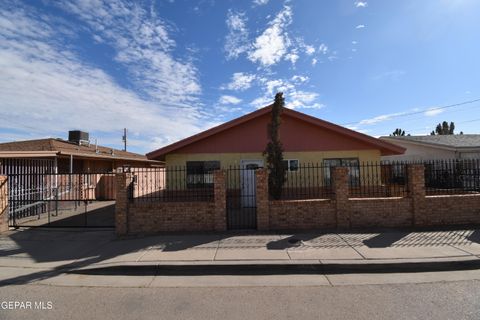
point(124, 138)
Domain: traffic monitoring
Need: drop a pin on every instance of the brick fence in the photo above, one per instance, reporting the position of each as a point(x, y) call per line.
point(342, 211)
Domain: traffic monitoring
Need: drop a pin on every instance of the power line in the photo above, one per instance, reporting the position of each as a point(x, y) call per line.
point(474, 120)
point(422, 111)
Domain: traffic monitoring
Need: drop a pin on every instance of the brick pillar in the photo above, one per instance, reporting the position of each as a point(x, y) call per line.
point(123, 180)
point(3, 204)
point(416, 191)
point(220, 198)
point(341, 191)
point(263, 208)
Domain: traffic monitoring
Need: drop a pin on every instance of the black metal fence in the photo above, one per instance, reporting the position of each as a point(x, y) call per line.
point(375, 179)
point(43, 195)
point(307, 181)
point(452, 176)
point(171, 184)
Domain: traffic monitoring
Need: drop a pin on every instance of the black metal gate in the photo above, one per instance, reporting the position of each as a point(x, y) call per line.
point(61, 200)
point(241, 197)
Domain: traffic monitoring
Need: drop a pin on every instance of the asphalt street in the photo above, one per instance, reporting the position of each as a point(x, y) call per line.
point(439, 300)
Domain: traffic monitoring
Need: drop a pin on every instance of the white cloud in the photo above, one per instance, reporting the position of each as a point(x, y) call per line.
point(309, 50)
point(45, 86)
point(97, 38)
point(261, 102)
point(260, 2)
point(381, 118)
point(277, 85)
point(300, 79)
point(226, 99)
point(304, 100)
point(323, 49)
point(240, 81)
point(295, 98)
point(360, 26)
point(270, 47)
point(292, 57)
point(314, 61)
point(354, 42)
point(142, 45)
point(361, 4)
point(433, 112)
point(236, 41)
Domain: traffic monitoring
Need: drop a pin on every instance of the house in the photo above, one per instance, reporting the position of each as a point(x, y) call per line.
point(241, 142)
point(75, 155)
point(56, 173)
point(438, 147)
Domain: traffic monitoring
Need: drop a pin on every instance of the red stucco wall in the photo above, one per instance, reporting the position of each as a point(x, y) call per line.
point(296, 135)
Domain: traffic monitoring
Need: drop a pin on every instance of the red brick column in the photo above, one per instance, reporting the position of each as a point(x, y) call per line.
point(122, 186)
point(220, 198)
point(3, 204)
point(416, 191)
point(340, 189)
point(263, 208)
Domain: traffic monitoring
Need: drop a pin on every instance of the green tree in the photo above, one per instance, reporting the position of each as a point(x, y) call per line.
point(398, 132)
point(274, 150)
point(444, 129)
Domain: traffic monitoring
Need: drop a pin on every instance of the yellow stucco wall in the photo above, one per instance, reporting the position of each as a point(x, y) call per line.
point(305, 178)
point(233, 159)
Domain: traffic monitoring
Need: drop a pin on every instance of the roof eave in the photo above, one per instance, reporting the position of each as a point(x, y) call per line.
point(28, 154)
point(91, 156)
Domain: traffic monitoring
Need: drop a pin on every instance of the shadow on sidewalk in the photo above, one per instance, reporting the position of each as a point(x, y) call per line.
point(475, 236)
point(292, 241)
point(385, 239)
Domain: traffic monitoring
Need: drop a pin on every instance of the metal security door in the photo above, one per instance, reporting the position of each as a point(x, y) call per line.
point(241, 195)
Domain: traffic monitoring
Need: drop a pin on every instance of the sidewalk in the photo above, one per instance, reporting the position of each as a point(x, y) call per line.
point(36, 255)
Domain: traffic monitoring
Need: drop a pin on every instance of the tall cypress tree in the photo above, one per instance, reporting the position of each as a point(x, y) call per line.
point(274, 150)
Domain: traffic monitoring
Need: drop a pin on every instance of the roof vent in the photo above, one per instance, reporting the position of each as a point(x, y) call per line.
point(79, 137)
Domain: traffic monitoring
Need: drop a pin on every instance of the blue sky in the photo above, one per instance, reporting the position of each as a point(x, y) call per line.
point(168, 69)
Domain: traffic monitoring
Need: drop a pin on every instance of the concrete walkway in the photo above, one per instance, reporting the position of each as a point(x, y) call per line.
point(58, 256)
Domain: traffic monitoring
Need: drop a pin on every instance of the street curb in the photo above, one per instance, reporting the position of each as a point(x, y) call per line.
point(251, 268)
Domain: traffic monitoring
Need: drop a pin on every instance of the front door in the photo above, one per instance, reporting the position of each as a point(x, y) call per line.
point(248, 184)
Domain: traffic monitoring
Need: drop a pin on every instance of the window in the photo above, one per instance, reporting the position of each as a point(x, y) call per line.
point(200, 173)
point(291, 165)
point(351, 163)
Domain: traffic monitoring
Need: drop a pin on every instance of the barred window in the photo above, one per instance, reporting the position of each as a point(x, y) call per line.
point(351, 163)
point(200, 173)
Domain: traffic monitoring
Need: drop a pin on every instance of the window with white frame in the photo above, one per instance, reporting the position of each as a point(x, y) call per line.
point(291, 164)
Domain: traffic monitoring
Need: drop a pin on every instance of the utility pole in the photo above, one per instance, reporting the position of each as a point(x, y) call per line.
point(124, 138)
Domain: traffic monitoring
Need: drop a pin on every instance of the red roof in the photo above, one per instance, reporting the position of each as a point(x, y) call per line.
point(386, 148)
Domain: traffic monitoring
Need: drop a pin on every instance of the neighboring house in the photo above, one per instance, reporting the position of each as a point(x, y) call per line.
point(241, 142)
point(76, 155)
point(438, 147)
point(57, 173)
